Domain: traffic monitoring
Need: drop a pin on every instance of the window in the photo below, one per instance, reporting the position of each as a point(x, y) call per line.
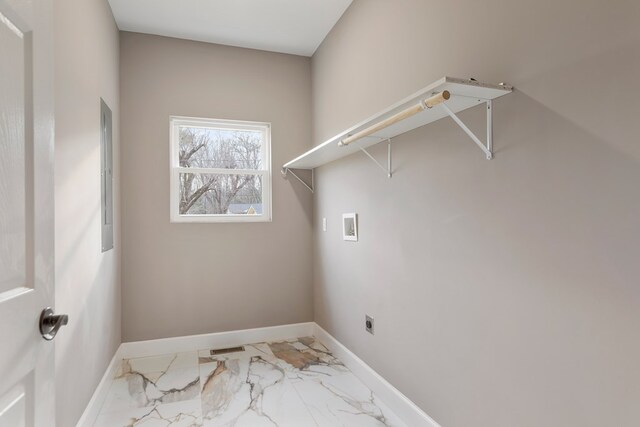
point(220, 170)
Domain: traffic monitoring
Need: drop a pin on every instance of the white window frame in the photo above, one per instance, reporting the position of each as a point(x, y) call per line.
point(175, 122)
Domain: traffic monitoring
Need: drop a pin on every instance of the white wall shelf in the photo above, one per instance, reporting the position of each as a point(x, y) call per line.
point(445, 97)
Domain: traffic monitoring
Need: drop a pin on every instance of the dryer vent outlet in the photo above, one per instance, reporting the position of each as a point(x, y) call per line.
point(368, 324)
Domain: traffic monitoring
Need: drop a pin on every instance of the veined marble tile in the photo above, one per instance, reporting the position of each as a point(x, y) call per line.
point(293, 383)
point(178, 414)
point(250, 392)
point(342, 400)
point(150, 381)
point(161, 363)
point(306, 358)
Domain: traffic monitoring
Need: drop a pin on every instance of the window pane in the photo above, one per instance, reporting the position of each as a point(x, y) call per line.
point(215, 194)
point(220, 148)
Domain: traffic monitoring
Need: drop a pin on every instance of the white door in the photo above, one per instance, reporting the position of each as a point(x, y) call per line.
point(26, 212)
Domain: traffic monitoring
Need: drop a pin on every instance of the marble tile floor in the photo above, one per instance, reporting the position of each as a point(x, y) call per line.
point(294, 383)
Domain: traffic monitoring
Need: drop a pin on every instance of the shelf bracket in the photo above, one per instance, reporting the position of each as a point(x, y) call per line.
point(387, 170)
point(488, 149)
point(286, 171)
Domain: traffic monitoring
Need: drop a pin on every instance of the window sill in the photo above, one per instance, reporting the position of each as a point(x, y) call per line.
point(203, 219)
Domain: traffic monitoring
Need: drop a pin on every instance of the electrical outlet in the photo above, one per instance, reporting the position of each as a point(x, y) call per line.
point(368, 324)
point(324, 224)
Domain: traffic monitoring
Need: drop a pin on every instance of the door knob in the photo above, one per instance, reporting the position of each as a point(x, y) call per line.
point(50, 323)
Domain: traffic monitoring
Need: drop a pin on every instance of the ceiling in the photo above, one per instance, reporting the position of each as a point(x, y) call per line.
point(288, 26)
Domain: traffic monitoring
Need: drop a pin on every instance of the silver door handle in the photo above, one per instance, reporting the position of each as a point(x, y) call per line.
point(50, 323)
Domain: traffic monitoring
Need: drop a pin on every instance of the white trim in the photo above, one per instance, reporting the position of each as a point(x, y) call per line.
point(399, 404)
point(233, 218)
point(220, 171)
point(203, 122)
point(175, 122)
point(218, 339)
point(92, 410)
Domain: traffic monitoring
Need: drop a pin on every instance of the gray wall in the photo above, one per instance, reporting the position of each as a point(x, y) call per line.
point(87, 281)
point(505, 292)
point(182, 279)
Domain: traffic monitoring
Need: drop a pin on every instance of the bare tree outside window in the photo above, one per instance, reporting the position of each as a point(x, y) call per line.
point(207, 160)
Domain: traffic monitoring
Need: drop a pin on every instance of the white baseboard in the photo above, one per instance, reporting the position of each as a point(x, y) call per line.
point(90, 413)
point(400, 404)
point(215, 340)
point(404, 408)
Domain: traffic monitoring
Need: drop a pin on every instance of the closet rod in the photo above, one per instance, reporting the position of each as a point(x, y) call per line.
point(415, 109)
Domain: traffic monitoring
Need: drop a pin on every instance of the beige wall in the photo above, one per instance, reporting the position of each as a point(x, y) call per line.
point(181, 279)
point(87, 281)
point(505, 292)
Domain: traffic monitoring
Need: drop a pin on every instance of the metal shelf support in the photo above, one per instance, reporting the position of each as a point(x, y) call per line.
point(387, 170)
point(488, 149)
point(286, 171)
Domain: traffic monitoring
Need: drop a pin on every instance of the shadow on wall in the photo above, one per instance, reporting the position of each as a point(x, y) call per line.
point(86, 284)
point(595, 99)
point(72, 351)
point(301, 192)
